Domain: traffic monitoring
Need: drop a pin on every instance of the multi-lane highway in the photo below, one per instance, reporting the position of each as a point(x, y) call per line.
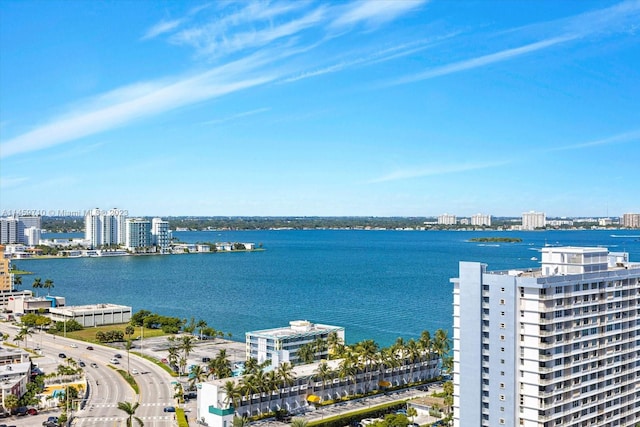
point(106, 385)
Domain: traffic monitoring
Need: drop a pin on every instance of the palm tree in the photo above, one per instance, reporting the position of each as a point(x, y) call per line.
point(17, 282)
point(232, 394)
point(196, 375)
point(250, 366)
point(285, 374)
point(130, 410)
point(441, 343)
point(24, 332)
point(413, 353)
point(220, 366)
point(348, 369)
point(186, 345)
point(201, 324)
point(48, 285)
point(367, 351)
point(323, 373)
point(37, 283)
point(305, 353)
point(335, 345)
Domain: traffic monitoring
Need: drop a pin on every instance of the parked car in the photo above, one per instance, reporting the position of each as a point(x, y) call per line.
point(169, 409)
point(62, 355)
point(82, 364)
point(134, 372)
point(32, 411)
point(94, 365)
point(51, 422)
point(73, 345)
point(191, 395)
point(21, 411)
point(89, 347)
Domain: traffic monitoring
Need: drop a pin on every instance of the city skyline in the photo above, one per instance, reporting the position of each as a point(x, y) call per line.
point(405, 108)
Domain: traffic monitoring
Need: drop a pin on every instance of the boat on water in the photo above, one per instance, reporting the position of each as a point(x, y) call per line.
point(534, 258)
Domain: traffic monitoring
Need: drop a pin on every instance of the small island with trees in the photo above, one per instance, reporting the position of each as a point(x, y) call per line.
point(496, 239)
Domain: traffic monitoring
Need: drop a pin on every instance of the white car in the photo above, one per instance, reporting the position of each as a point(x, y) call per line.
point(134, 372)
point(114, 361)
point(73, 345)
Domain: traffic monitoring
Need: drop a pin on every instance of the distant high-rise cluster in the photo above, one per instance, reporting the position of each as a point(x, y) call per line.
point(114, 228)
point(20, 229)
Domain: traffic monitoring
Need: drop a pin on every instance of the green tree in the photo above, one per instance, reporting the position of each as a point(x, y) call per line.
point(17, 282)
point(10, 402)
point(48, 285)
point(323, 373)
point(130, 409)
point(232, 394)
point(37, 284)
point(306, 353)
point(201, 324)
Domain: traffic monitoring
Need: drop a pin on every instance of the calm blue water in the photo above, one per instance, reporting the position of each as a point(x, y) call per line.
point(377, 284)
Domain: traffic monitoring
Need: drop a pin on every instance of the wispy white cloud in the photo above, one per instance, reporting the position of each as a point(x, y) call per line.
point(379, 56)
point(374, 12)
point(632, 136)
point(237, 116)
point(482, 61)
point(162, 27)
point(433, 170)
point(622, 17)
point(139, 101)
point(167, 26)
point(254, 24)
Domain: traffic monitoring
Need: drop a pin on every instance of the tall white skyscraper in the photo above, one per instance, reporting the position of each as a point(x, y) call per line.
point(532, 220)
point(552, 346)
point(105, 228)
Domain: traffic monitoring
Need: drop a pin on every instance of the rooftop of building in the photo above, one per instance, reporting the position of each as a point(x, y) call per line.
point(296, 328)
point(568, 260)
point(88, 307)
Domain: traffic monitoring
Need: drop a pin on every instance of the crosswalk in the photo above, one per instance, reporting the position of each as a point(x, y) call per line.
point(116, 421)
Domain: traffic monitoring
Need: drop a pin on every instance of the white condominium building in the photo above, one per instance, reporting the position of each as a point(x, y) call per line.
point(447, 219)
point(138, 234)
point(552, 346)
point(480, 220)
point(282, 344)
point(160, 234)
point(631, 220)
point(532, 220)
point(104, 228)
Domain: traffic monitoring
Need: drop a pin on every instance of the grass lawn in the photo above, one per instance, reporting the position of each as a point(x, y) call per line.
point(89, 334)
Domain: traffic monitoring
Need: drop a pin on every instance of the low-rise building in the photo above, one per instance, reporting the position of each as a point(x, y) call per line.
point(92, 315)
point(282, 344)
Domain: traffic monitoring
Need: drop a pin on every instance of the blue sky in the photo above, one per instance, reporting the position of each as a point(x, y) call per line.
point(383, 108)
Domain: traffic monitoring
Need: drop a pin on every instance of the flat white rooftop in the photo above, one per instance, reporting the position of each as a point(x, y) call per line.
point(295, 328)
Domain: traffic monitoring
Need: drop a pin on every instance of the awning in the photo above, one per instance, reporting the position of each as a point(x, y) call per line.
point(313, 398)
point(384, 383)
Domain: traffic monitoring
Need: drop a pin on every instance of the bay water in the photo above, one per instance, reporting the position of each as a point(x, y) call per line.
point(379, 285)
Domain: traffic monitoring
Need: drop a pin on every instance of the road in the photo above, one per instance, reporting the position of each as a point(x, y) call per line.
point(106, 386)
